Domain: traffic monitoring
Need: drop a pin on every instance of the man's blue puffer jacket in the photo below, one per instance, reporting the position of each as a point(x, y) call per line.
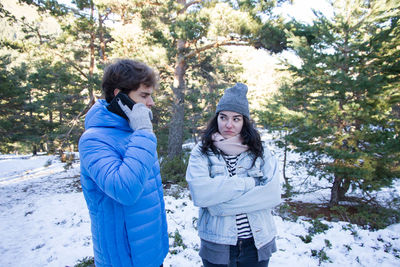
point(120, 177)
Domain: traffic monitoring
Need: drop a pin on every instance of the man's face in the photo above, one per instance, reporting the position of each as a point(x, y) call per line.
point(141, 95)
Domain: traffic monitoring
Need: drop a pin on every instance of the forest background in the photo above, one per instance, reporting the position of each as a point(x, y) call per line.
point(335, 101)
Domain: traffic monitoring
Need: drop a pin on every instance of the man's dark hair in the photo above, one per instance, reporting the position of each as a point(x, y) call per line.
point(250, 136)
point(126, 75)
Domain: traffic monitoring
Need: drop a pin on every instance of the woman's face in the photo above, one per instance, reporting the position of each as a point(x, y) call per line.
point(230, 123)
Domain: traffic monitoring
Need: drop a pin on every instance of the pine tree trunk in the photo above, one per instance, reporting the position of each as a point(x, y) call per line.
point(175, 135)
point(286, 179)
point(92, 34)
point(212, 105)
point(284, 163)
point(92, 56)
point(344, 187)
point(102, 42)
point(335, 191)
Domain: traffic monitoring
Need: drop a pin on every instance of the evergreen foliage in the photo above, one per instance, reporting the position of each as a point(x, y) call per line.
point(339, 108)
point(180, 38)
point(173, 171)
point(54, 46)
point(190, 29)
point(12, 108)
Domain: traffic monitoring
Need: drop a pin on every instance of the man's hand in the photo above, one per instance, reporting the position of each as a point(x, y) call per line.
point(139, 117)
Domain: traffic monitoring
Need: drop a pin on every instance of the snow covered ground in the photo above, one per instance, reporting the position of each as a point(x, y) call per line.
point(44, 222)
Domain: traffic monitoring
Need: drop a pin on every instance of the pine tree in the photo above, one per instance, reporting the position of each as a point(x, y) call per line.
point(12, 108)
point(343, 95)
point(63, 66)
point(187, 29)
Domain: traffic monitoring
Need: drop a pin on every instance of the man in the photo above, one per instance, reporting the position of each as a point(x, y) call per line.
point(120, 173)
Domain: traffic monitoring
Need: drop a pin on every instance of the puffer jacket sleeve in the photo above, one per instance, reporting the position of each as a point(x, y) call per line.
point(265, 196)
point(122, 177)
point(207, 191)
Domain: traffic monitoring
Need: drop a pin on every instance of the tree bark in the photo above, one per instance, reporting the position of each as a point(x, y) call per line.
point(339, 189)
point(343, 188)
point(211, 90)
point(92, 40)
point(50, 116)
point(335, 191)
point(286, 179)
point(92, 56)
point(175, 135)
point(102, 41)
point(284, 163)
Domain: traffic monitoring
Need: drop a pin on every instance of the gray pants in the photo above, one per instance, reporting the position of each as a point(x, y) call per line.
point(244, 254)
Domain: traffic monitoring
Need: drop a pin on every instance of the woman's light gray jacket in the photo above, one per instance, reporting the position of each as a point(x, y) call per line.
point(221, 197)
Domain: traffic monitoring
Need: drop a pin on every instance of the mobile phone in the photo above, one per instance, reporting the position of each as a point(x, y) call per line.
point(125, 99)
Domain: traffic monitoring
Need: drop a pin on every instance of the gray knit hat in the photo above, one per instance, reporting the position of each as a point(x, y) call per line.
point(234, 99)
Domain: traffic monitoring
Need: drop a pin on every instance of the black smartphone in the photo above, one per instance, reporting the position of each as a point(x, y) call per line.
point(125, 99)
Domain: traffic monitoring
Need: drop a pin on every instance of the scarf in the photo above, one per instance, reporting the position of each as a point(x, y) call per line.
point(231, 146)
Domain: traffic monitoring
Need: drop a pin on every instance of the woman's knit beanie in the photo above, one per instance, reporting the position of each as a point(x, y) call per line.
point(234, 99)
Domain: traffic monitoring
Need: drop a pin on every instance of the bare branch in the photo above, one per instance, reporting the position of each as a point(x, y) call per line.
point(74, 122)
point(187, 5)
point(72, 64)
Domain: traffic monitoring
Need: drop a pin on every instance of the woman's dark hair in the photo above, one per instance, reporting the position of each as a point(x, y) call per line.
point(250, 136)
point(126, 75)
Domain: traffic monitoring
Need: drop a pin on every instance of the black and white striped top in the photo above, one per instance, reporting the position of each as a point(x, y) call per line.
point(242, 222)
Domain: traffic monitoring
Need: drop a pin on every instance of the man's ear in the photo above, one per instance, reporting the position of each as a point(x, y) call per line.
point(116, 91)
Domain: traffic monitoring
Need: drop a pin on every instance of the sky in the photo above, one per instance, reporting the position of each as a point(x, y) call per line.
point(302, 9)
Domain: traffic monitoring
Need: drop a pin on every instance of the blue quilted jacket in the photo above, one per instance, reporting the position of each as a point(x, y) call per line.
point(120, 177)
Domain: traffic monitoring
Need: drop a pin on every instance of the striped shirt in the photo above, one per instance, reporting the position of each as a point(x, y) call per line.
point(242, 222)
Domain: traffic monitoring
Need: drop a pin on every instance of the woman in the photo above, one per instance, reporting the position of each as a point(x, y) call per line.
point(234, 181)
